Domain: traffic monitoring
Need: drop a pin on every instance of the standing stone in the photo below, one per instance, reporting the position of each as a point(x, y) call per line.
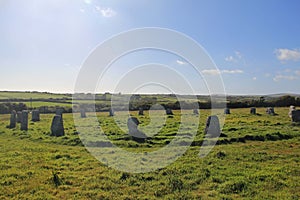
point(226, 111)
point(141, 111)
point(111, 112)
point(196, 112)
point(82, 113)
point(35, 116)
point(24, 123)
point(57, 126)
point(137, 135)
point(169, 111)
point(296, 116)
point(253, 111)
point(132, 124)
point(59, 111)
point(291, 109)
point(19, 117)
point(212, 128)
point(13, 119)
point(270, 111)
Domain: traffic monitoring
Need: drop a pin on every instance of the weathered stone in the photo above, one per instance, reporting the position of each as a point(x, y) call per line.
point(24, 123)
point(19, 117)
point(226, 111)
point(132, 123)
point(137, 135)
point(270, 111)
point(82, 113)
point(35, 115)
point(111, 112)
point(212, 128)
point(13, 119)
point(57, 126)
point(253, 111)
point(141, 111)
point(291, 109)
point(169, 111)
point(296, 116)
point(59, 111)
point(196, 112)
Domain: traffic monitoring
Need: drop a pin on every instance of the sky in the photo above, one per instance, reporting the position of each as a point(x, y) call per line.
point(254, 44)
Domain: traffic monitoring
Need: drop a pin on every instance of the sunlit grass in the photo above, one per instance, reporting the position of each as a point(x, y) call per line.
point(35, 165)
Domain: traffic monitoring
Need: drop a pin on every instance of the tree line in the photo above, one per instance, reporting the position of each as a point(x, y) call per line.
point(151, 102)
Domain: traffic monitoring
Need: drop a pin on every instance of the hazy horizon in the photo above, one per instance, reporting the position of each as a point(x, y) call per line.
point(269, 94)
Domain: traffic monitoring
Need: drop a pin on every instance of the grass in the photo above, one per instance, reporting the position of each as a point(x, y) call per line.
point(35, 165)
point(28, 95)
point(37, 104)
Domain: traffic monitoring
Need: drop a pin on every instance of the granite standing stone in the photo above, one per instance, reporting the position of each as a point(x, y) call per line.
point(270, 111)
point(19, 117)
point(227, 111)
point(59, 111)
point(82, 113)
point(141, 111)
point(212, 128)
point(291, 109)
point(13, 119)
point(253, 111)
point(169, 111)
point(111, 112)
point(296, 116)
point(137, 135)
point(24, 123)
point(35, 116)
point(57, 126)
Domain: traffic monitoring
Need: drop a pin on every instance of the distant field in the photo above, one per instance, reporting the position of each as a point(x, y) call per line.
point(36, 104)
point(28, 95)
point(258, 158)
point(102, 101)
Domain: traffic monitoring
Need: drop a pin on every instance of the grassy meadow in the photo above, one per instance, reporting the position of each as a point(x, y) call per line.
point(257, 157)
point(32, 95)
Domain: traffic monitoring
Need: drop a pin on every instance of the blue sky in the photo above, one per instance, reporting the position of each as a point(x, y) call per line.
point(255, 44)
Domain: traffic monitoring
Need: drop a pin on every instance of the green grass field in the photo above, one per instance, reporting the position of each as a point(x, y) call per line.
point(257, 158)
point(33, 95)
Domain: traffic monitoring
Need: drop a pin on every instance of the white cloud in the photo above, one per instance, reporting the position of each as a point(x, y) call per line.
point(82, 10)
point(230, 59)
point(106, 12)
point(179, 62)
point(236, 71)
point(217, 72)
point(284, 77)
point(254, 78)
point(235, 58)
point(211, 71)
point(287, 54)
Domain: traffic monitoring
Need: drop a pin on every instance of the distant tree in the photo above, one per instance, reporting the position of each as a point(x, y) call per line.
point(286, 100)
point(6, 108)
